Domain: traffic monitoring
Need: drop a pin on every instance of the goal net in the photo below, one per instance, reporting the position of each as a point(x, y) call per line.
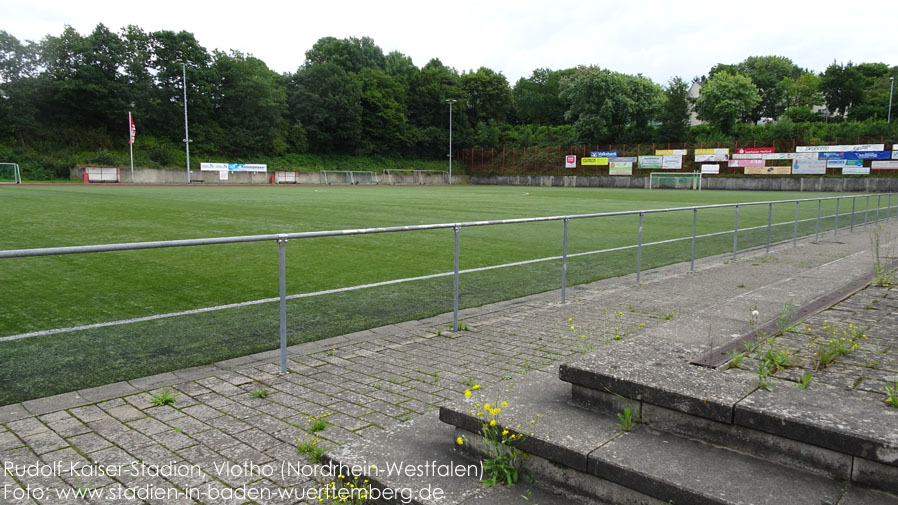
point(9, 173)
point(675, 181)
point(332, 177)
point(399, 177)
point(285, 177)
point(102, 174)
point(432, 177)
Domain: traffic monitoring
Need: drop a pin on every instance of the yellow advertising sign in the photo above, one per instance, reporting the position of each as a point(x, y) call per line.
point(712, 151)
point(768, 170)
point(593, 161)
point(670, 152)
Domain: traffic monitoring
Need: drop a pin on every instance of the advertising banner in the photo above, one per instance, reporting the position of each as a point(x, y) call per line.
point(570, 161)
point(712, 151)
point(651, 161)
point(809, 167)
point(623, 159)
point(856, 170)
point(768, 170)
point(755, 150)
point(233, 167)
point(603, 154)
point(620, 168)
point(895, 152)
point(748, 156)
point(804, 156)
point(856, 147)
point(884, 165)
point(855, 155)
point(776, 156)
point(745, 163)
point(710, 169)
point(670, 152)
point(711, 157)
point(670, 162)
point(844, 163)
point(593, 161)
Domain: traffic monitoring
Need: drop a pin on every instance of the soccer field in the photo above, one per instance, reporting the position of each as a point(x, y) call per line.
point(63, 291)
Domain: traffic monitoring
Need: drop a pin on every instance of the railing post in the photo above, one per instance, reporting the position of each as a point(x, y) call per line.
point(817, 228)
point(564, 261)
point(769, 223)
point(692, 258)
point(795, 232)
point(853, 202)
point(878, 206)
point(282, 280)
point(455, 284)
point(836, 225)
point(736, 232)
point(639, 249)
point(889, 208)
point(866, 210)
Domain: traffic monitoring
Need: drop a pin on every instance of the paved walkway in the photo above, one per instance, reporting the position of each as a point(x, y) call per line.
point(222, 443)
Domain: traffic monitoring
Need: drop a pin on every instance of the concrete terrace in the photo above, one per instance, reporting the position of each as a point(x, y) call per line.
point(216, 443)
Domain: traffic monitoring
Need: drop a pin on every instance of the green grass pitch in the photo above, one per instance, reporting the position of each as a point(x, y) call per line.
point(63, 291)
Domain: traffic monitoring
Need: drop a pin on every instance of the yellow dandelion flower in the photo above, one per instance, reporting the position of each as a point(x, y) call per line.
point(458, 441)
point(467, 393)
point(572, 327)
point(504, 403)
point(492, 422)
point(570, 319)
point(504, 432)
point(475, 386)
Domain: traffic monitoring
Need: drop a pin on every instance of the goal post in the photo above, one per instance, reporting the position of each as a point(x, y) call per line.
point(431, 177)
point(102, 174)
point(285, 177)
point(662, 180)
point(10, 174)
point(399, 177)
point(348, 177)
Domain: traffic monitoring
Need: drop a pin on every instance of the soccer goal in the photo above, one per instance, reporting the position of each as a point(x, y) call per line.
point(675, 181)
point(285, 177)
point(10, 174)
point(399, 177)
point(102, 174)
point(338, 177)
point(432, 177)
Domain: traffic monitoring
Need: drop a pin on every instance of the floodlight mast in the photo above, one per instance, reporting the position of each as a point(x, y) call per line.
point(450, 101)
point(186, 134)
point(891, 88)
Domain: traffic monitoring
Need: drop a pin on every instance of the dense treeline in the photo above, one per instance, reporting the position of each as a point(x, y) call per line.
point(65, 100)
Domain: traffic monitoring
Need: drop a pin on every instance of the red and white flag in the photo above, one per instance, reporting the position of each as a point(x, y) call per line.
point(131, 130)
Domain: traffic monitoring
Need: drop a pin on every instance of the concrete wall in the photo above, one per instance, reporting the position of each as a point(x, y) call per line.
point(157, 176)
point(822, 184)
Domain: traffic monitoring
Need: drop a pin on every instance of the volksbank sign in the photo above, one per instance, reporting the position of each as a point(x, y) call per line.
point(233, 167)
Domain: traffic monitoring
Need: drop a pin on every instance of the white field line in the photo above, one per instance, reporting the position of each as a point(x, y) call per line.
point(375, 284)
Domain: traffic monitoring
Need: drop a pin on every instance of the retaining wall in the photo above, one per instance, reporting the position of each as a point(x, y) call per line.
point(157, 176)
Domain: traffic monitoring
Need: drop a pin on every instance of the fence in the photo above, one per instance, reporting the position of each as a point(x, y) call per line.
point(781, 230)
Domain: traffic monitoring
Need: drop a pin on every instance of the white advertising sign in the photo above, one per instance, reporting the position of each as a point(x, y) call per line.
point(856, 170)
point(710, 169)
point(570, 161)
point(748, 156)
point(809, 167)
point(884, 165)
point(711, 157)
point(895, 152)
point(836, 149)
point(672, 162)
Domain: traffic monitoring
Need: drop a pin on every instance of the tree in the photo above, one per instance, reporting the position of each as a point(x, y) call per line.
point(725, 98)
point(766, 72)
point(675, 111)
point(385, 128)
point(251, 105)
point(352, 54)
point(486, 96)
point(604, 103)
point(325, 99)
point(536, 99)
point(842, 86)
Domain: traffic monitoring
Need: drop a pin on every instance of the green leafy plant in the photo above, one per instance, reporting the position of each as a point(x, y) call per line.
point(805, 381)
point(260, 393)
point(502, 462)
point(310, 448)
point(166, 397)
point(736, 359)
point(784, 318)
point(627, 421)
point(317, 424)
point(884, 274)
point(891, 398)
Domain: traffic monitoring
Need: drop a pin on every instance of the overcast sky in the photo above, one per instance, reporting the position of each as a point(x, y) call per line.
point(659, 39)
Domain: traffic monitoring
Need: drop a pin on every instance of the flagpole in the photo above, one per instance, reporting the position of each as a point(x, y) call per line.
point(131, 143)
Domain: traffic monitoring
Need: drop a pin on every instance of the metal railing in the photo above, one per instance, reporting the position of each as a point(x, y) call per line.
point(282, 238)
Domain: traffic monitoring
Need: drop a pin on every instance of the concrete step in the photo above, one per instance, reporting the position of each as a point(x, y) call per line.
point(417, 463)
point(588, 454)
point(841, 434)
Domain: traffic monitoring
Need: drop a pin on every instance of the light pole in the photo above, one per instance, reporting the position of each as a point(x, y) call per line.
point(186, 134)
point(891, 88)
point(450, 101)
